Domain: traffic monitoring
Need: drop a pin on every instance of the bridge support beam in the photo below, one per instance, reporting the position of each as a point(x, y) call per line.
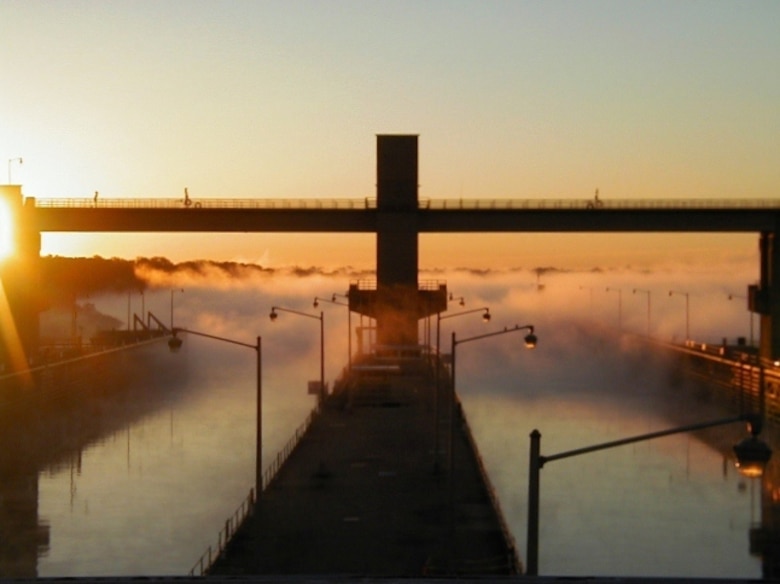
point(764, 298)
point(20, 298)
point(397, 240)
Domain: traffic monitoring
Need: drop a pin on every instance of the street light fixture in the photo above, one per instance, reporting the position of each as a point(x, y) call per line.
point(274, 315)
point(349, 322)
point(172, 292)
point(732, 297)
point(175, 343)
point(530, 341)
point(687, 312)
point(647, 292)
point(620, 306)
point(461, 300)
point(752, 456)
point(485, 318)
point(11, 161)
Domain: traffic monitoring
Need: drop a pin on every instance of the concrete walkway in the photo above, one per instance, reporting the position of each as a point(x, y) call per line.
point(360, 495)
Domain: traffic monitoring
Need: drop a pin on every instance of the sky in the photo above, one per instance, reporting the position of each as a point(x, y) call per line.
point(283, 99)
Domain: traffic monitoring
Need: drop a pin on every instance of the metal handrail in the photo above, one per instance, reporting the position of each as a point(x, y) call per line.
point(368, 203)
point(512, 559)
point(236, 520)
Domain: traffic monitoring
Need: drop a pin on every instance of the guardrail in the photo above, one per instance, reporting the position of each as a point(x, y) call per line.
point(236, 520)
point(511, 560)
point(370, 203)
point(281, 457)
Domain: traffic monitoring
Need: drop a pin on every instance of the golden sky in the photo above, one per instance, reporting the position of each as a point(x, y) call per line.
point(280, 99)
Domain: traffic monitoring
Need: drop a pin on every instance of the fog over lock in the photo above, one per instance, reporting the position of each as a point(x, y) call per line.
point(640, 512)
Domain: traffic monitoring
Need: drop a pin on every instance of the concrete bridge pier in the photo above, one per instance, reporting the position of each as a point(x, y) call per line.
point(397, 303)
point(20, 298)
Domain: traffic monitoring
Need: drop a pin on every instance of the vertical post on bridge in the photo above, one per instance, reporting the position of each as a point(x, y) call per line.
point(397, 240)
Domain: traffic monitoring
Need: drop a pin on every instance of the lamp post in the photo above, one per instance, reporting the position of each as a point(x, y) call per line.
point(175, 342)
point(437, 376)
point(172, 292)
point(461, 300)
point(590, 305)
point(752, 455)
point(647, 292)
point(530, 343)
point(750, 313)
point(687, 312)
point(333, 300)
point(274, 315)
point(10, 162)
point(620, 306)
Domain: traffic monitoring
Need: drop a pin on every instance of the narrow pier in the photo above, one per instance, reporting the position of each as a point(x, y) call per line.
point(362, 494)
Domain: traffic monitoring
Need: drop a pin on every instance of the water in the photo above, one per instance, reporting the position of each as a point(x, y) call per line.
point(151, 495)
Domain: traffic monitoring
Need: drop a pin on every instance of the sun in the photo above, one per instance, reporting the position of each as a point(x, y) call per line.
point(6, 231)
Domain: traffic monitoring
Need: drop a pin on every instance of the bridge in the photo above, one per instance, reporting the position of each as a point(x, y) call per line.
point(397, 215)
point(397, 301)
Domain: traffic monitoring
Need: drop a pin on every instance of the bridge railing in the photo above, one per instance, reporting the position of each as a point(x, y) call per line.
point(235, 521)
point(369, 203)
point(211, 203)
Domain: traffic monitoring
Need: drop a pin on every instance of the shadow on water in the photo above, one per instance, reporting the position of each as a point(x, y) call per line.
point(47, 424)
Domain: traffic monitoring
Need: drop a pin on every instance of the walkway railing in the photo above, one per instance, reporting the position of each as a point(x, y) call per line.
point(369, 203)
point(511, 560)
point(237, 519)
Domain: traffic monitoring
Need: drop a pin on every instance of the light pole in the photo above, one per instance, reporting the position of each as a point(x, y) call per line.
point(687, 312)
point(437, 374)
point(620, 306)
point(590, 305)
point(11, 161)
point(333, 300)
point(175, 342)
point(461, 300)
point(530, 343)
point(274, 315)
point(172, 291)
point(752, 455)
point(750, 313)
point(647, 292)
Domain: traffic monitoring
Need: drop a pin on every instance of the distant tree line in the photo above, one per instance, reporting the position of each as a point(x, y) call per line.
point(66, 279)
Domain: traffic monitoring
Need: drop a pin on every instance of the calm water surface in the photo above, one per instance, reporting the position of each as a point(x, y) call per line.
point(150, 497)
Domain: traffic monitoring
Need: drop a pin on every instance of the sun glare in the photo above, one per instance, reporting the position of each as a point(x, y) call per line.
point(6, 231)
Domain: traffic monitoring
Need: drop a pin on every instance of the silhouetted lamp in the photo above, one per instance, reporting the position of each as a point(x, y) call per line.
point(530, 339)
point(751, 453)
point(175, 343)
point(321, 317)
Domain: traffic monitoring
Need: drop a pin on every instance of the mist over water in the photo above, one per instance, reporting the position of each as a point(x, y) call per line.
point(153, 497)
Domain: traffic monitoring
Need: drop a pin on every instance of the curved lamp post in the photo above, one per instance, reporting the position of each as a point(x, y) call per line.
point(274, 315)
point(173, 290)
point(646, 292)
point(752, 455)
point(486, 318)
point(530, 343)
point(461, 300)
point(175, 342)
point(687, 312)
point(10, 162)
point(620, 306)
point(750, 314)
point(333, 300)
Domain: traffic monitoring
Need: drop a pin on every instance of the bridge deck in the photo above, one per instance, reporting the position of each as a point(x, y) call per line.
point(359, 495)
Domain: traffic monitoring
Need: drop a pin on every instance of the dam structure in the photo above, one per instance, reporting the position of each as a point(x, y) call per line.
point(386, 481)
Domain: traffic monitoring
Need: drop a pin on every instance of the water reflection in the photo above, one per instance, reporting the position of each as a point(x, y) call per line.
point(668, 507)
point(140, 481)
